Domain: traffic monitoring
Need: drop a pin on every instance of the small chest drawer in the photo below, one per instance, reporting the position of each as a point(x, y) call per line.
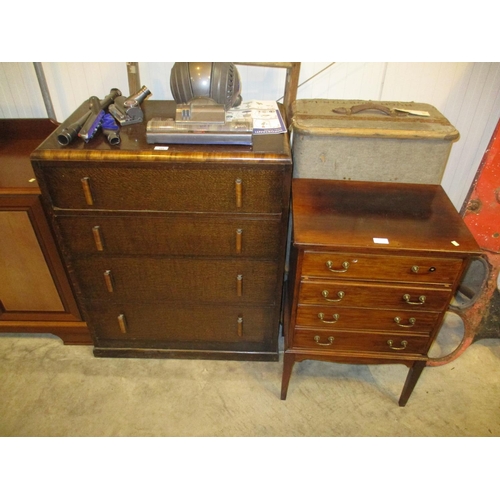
point(343, 318)
point(352, 294)
point(182, 280)
point(169, 235)
point(360, 342)
point(381, 268)
point(182, 188)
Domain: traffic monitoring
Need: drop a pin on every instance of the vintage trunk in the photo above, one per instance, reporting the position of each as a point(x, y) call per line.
point(375, 141)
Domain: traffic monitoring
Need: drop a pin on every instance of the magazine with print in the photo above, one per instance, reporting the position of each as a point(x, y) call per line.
point(266, 116)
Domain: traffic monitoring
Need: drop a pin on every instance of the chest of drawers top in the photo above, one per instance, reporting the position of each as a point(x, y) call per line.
point(266, 149)
point(378, 218)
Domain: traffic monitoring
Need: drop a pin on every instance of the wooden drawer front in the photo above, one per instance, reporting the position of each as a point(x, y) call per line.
point(351, 294)
point(180, 235)
point(358, 341)
point(380, 267)
point(181, 323)
point(189, 280)
point(183, 188)
point(338, 318)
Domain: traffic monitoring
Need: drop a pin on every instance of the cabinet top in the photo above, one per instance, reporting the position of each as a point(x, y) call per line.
point(374, 216)
point(272, 148)
point(18, 138)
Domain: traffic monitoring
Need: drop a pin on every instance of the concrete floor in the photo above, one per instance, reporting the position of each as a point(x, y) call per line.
point(48, 389)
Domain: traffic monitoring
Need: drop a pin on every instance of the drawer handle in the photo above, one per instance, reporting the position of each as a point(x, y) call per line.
point(96, 231)
point(238, 186)
point(335, 317)
point(340, 296)
point(86, 191)
point(317, 340)
point(239, 233)
point(122, 323)
point(108, 279)
point(240, 325)
point(411, 322)
point(404, 343)
point(345, 267)
point(239, 285)
point(416, 269)
point(421, 300)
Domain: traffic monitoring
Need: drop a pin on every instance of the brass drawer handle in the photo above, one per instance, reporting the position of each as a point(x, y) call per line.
point(407, 299)
point(240, 325)
point(345, 267)
point(122, 323)
point(317, 340)
point(335, 317)
point(238, 186)
point(404, 343)
point(86, 190)
point(340, 296)
point(411, 322)
point(108, 279)
point(96, 231)
point(416, 269)
point(239, 234)
point(239, 285)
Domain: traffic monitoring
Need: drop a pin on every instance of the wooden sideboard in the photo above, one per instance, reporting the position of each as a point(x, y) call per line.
point(373, 269)
point(173, 252)
point(35, 294)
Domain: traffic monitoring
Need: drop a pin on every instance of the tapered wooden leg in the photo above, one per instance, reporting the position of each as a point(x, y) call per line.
point(411, 381)
point(288, 362)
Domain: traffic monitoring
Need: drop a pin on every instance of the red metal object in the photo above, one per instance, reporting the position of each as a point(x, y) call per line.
point(481, 213)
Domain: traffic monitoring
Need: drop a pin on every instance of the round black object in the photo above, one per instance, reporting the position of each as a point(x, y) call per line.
point(218, 81)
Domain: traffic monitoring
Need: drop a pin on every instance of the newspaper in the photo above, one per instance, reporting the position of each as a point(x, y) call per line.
point(266, 116)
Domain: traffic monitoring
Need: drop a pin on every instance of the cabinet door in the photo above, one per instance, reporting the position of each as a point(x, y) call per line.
point(34, 286)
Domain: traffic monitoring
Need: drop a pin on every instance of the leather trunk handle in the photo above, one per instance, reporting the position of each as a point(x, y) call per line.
point(358, 108)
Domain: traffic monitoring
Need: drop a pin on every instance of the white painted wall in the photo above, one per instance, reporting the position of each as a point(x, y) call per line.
point(468, 94)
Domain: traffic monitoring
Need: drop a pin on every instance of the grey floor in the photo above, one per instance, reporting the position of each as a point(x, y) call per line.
point(48, 389)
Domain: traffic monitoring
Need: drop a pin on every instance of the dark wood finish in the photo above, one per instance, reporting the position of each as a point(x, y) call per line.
point(173, 253)
point(35, 293)
point(373, 268)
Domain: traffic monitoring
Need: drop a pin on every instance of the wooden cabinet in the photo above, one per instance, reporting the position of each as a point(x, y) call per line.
point(35, 294)
point(173, 252)
point(373, 269)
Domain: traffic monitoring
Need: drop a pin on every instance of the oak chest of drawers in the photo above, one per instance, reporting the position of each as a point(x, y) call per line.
point(173, 252)
point(373, 269)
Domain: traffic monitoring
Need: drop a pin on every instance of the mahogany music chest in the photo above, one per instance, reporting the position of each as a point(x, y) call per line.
point(373, 269)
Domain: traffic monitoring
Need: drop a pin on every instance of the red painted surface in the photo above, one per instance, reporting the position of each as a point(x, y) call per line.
point(482, 212)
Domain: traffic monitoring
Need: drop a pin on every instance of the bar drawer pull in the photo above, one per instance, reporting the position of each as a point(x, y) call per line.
point(122, 323)
point(240, 325)
point(238, 189)
point(86, 191)
point(335, 317)
point(96, 231)
point(239, 285)
point(404, 344)
point(411, 322)
point(317, 340)
point(239, 234)
point(326, 293)
point(108, 279)
point(407, 299)
point(329, 265)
